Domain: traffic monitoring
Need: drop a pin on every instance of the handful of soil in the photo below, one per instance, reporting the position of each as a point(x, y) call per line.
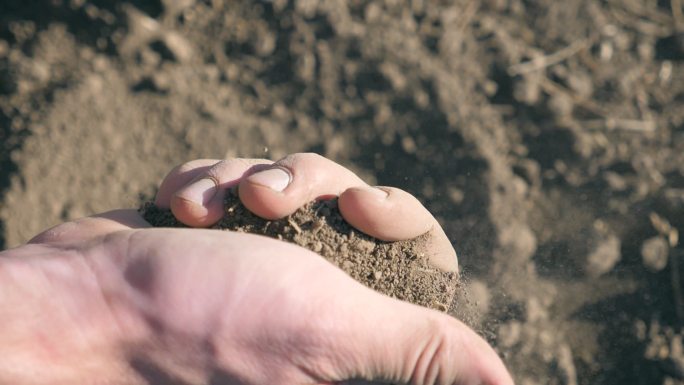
point(397, 269)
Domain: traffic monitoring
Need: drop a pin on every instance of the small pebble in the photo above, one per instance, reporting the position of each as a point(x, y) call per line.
point(654, 253)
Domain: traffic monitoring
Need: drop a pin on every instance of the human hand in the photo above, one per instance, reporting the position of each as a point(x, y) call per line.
point(107, 300)
point(195, 193)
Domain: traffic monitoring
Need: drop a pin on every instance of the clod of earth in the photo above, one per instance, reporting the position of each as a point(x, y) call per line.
point(397, 269)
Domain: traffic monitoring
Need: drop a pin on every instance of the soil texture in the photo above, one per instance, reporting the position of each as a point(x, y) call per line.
point(547, 137)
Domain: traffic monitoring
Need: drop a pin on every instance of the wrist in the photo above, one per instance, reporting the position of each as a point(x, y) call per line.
point(56, 325)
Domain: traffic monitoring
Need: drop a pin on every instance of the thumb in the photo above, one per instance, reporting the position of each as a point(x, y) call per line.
point(399, 342)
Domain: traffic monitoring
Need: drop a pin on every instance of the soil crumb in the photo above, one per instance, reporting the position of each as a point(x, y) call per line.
point(397, 269)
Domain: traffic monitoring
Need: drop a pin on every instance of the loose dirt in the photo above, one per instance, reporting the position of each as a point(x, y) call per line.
point(397, 269)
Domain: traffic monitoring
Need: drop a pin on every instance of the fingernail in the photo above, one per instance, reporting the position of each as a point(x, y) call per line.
point(199, 192)
point(277, 179)
point(379, 192)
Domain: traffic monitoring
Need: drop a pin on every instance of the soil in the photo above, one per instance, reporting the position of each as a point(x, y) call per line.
point(397, 269)
point(547, 137)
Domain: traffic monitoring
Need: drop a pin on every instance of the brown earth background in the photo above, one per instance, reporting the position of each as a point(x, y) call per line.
point(546, 136)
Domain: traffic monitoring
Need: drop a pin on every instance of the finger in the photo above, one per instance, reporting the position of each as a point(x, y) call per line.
point(200, 203)
point(392, 214)
point(91, 227)
point(386, 213)
point(281, 189)
point(179, 177)
point(415, 345)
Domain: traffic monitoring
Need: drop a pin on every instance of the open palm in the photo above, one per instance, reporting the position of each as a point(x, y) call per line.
point(108, 300)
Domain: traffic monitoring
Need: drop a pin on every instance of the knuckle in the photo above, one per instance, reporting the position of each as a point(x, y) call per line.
point(191, 165)
point(255, 161)
point(301, 158)
point(223, 167)
point(57, 233)
point(181, 168)
point(230, 170)
point(243, 162)
point(228, 166)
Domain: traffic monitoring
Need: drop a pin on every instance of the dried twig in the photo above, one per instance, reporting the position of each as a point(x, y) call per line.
point(638, 10)
point(542, 62)
point(552, 87)
point(659, 223)
point(620, 124)
point(649, 24)
point(294, 225)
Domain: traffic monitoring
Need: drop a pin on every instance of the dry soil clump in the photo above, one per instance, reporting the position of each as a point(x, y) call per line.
point(398, 269)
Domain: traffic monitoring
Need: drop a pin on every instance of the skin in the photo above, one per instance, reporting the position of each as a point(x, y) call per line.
point(108, 300)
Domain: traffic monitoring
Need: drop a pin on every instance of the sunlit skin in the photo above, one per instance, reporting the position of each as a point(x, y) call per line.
point(108, 300)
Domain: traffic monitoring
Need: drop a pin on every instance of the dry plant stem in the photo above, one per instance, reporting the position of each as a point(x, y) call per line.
point(637, 9)
point(552, 87)
point(620, 124)
point(542, 62)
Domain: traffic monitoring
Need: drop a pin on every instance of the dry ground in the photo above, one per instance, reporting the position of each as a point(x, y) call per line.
point(547, 136)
